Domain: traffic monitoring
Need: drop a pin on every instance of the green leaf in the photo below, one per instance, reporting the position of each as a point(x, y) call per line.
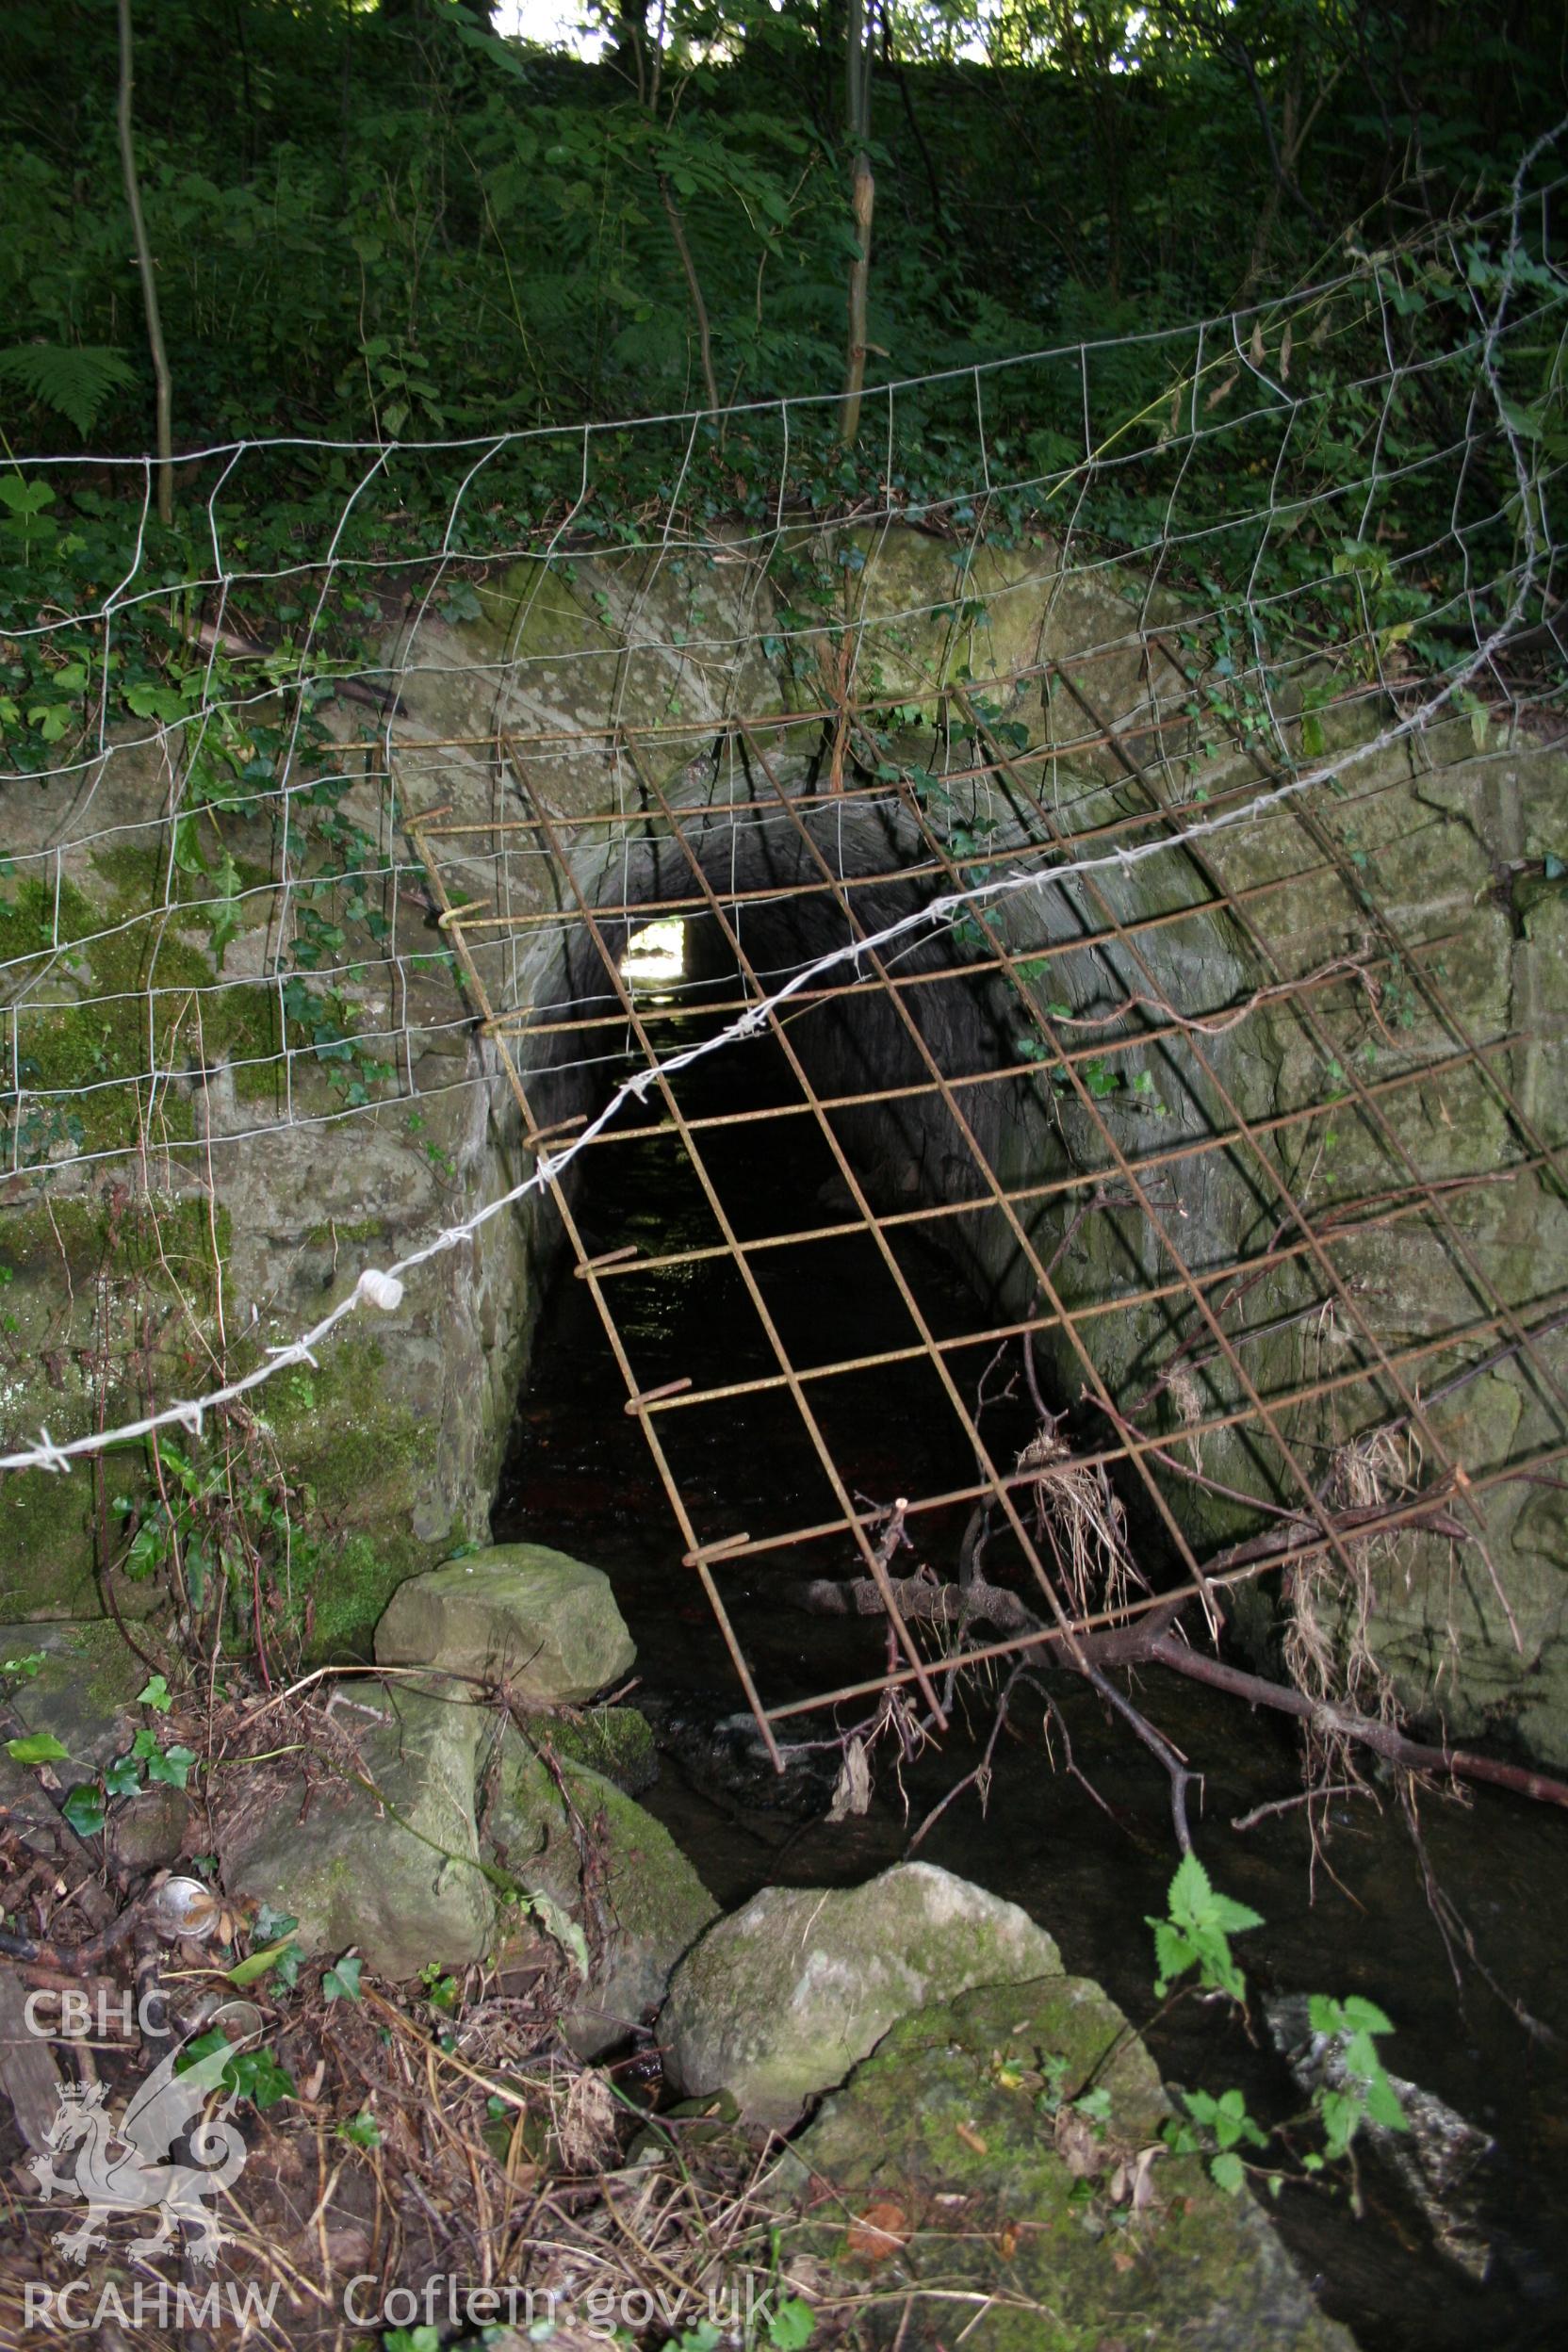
point(1173, 1954)
point(121, 1779)
point(253, 2074)
point(1227, 2172)
point(171, 1765)
point(154, 702)
point(1194, 1904)
point(341, 1980)
point(256, 1964)
point(73, 380)
point(223, 920)
point(39, 1747)
point(1382, 2104)
point(84, 1809)
point(793, 2326)
point(26, 499)
point(1523, 421)
point(187, 847)
point(1365, 2016)
point(155, 1693)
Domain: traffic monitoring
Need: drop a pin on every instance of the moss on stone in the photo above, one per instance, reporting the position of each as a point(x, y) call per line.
point(957, 2103)
point(655, 1901)
point(47, 1550)
point(393, 1867)
point(614, 1742)
point(64, 1242)
point(341, 1230)
point(347, 1592)
point(95, 1048)
point(85, 1691)
point(366, 1459)
point(340, 1431)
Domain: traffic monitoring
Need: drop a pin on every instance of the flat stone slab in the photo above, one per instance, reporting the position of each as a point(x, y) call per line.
point(1051, 2230)
point(545, 1623)
point(779, 2000)
point(394, 1869)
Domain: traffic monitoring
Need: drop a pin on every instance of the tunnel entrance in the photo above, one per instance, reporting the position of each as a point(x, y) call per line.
point(1157, 1122)
point(846, 1196)
point(731, 1440)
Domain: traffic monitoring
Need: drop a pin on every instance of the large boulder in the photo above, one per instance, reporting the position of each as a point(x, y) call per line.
point(545, 1625)
point(389, 1862)
point(779, 2000)
point(646, 1904)
point(966, 2172)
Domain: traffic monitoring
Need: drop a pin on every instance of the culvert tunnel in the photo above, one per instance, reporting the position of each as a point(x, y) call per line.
point(955, 1186)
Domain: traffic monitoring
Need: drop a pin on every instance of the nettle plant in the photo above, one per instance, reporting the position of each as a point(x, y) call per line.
point(1195, 1934)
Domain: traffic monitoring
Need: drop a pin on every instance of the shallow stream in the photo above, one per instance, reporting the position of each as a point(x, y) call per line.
point(580, 1476)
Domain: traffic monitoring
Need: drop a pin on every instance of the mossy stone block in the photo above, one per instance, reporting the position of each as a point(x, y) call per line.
point(654, 1902)
point(545, 1625)
point(952, 2121)
point(84, 1692)
point(388, 1864)
point(781, 1999)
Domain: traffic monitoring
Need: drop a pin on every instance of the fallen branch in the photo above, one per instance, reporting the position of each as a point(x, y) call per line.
point(1364, 1730)
point(1149, 1641)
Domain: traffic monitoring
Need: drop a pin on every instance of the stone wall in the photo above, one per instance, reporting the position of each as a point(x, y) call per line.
point(400, 1429)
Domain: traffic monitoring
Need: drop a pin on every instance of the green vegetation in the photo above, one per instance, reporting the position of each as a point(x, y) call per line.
point(380, 227)
point(378, 222)
point(253, 2074)
point(401, 263)
point(1195, 1934)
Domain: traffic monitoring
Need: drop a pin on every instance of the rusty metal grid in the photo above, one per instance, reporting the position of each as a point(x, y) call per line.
point(1293, 1517)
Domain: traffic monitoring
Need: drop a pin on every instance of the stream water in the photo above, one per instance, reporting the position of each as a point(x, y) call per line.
point(580, 1476)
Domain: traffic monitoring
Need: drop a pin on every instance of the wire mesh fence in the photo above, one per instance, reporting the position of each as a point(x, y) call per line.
point(1038, 778)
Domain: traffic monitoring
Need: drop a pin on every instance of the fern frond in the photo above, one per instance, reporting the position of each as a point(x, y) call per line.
point(75, 380)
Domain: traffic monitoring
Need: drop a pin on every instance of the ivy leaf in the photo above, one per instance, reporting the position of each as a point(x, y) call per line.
point(121, 1779)
point(84, 1809)
point(171, 1765)
point(155, 1693)
point(341, 1980)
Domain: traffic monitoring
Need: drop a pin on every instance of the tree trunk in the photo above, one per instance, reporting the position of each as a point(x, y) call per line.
point(149, 278)
point(863, 199)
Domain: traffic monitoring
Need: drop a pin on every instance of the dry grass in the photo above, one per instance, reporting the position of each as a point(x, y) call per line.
point(1328, 1646)
point(436, 2132)
point(1080, 1521)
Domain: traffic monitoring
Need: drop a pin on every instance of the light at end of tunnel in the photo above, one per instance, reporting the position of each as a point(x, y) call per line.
point(655, 954)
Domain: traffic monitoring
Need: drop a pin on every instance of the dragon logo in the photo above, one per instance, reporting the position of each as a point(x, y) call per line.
point(123, 2168)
